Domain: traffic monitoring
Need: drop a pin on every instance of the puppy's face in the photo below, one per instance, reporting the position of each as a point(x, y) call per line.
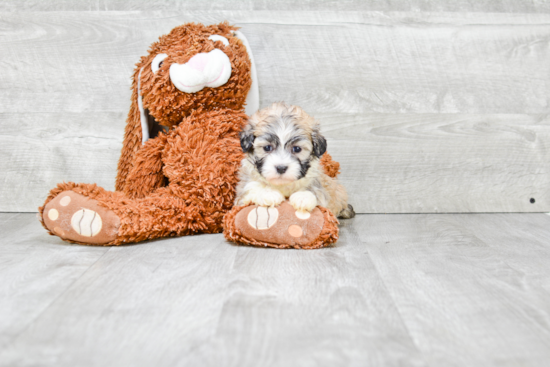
point(282, 141)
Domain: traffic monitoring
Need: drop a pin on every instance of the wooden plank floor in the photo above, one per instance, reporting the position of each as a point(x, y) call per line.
point(396, 290)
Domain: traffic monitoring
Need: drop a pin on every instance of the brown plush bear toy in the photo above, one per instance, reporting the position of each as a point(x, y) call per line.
point(181, 152)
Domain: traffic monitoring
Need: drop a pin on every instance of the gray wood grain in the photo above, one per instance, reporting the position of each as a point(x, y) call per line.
point(390, 163)
point(40, 150)
point(396, 290)
point(399, 163)
point(200, 301)
point(455, 279)
point(35, 270)
point(505, 6)
point(306, 308)
point(324, 61)
point(64, 94)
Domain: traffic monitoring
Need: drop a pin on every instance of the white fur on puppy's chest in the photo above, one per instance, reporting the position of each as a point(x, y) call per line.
point(259, 194)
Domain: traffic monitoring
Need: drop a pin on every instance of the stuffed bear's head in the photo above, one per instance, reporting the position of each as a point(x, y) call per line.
point(193, 68)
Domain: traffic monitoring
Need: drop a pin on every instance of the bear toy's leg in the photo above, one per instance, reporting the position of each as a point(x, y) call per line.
point(146, 174)
point(81, 213)
point(88, 214)
point(200, 160)
point(78, 218)
point(281, 227)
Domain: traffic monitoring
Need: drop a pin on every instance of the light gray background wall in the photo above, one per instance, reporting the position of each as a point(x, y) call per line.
point(429, 106)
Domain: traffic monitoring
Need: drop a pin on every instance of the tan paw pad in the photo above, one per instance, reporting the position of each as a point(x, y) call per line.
point(263, 218)
point(281, 226)
point(59, 231)
point(86, 222)
point(65, 200)
point(295, 230)
point(75, 217)
point(53, 214)
point(302, 214)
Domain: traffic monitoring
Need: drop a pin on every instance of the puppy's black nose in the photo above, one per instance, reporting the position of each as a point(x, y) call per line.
point(281, 169)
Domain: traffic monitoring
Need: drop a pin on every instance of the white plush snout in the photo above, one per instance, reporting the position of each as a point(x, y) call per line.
point(211, 69)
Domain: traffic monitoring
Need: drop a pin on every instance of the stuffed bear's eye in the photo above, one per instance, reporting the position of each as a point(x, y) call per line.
point(216, 37)
point(296, 149)
point(268, 148)
point(157, 62)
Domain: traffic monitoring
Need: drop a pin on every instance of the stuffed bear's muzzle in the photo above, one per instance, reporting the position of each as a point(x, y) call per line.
point(211, 69)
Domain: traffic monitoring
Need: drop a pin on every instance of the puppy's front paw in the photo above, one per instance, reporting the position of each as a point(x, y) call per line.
point(264, 197)
point(303, 201)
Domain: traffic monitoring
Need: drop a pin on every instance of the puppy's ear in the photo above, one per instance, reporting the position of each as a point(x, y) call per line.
point(319, 144)
point(247, 139)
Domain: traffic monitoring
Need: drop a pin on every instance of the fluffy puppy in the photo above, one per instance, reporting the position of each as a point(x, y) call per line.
point(283, 146)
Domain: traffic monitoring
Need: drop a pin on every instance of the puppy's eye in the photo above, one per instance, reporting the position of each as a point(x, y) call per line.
point(157, 62)
point(296, 149)
point(268, 148)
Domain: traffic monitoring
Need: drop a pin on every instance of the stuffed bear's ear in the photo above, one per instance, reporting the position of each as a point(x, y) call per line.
point(319, 144)
point(247, 139)
point(253, 96)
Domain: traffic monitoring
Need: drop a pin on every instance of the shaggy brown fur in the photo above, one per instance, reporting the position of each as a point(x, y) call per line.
point(167, 104)
point(180, 182)
point(330, 167)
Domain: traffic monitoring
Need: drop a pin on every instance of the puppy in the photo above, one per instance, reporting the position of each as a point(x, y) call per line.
point(283, 146)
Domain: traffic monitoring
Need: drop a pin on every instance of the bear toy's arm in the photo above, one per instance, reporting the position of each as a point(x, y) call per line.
point(330, 166)
point(146, 174)
point(202, 158)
